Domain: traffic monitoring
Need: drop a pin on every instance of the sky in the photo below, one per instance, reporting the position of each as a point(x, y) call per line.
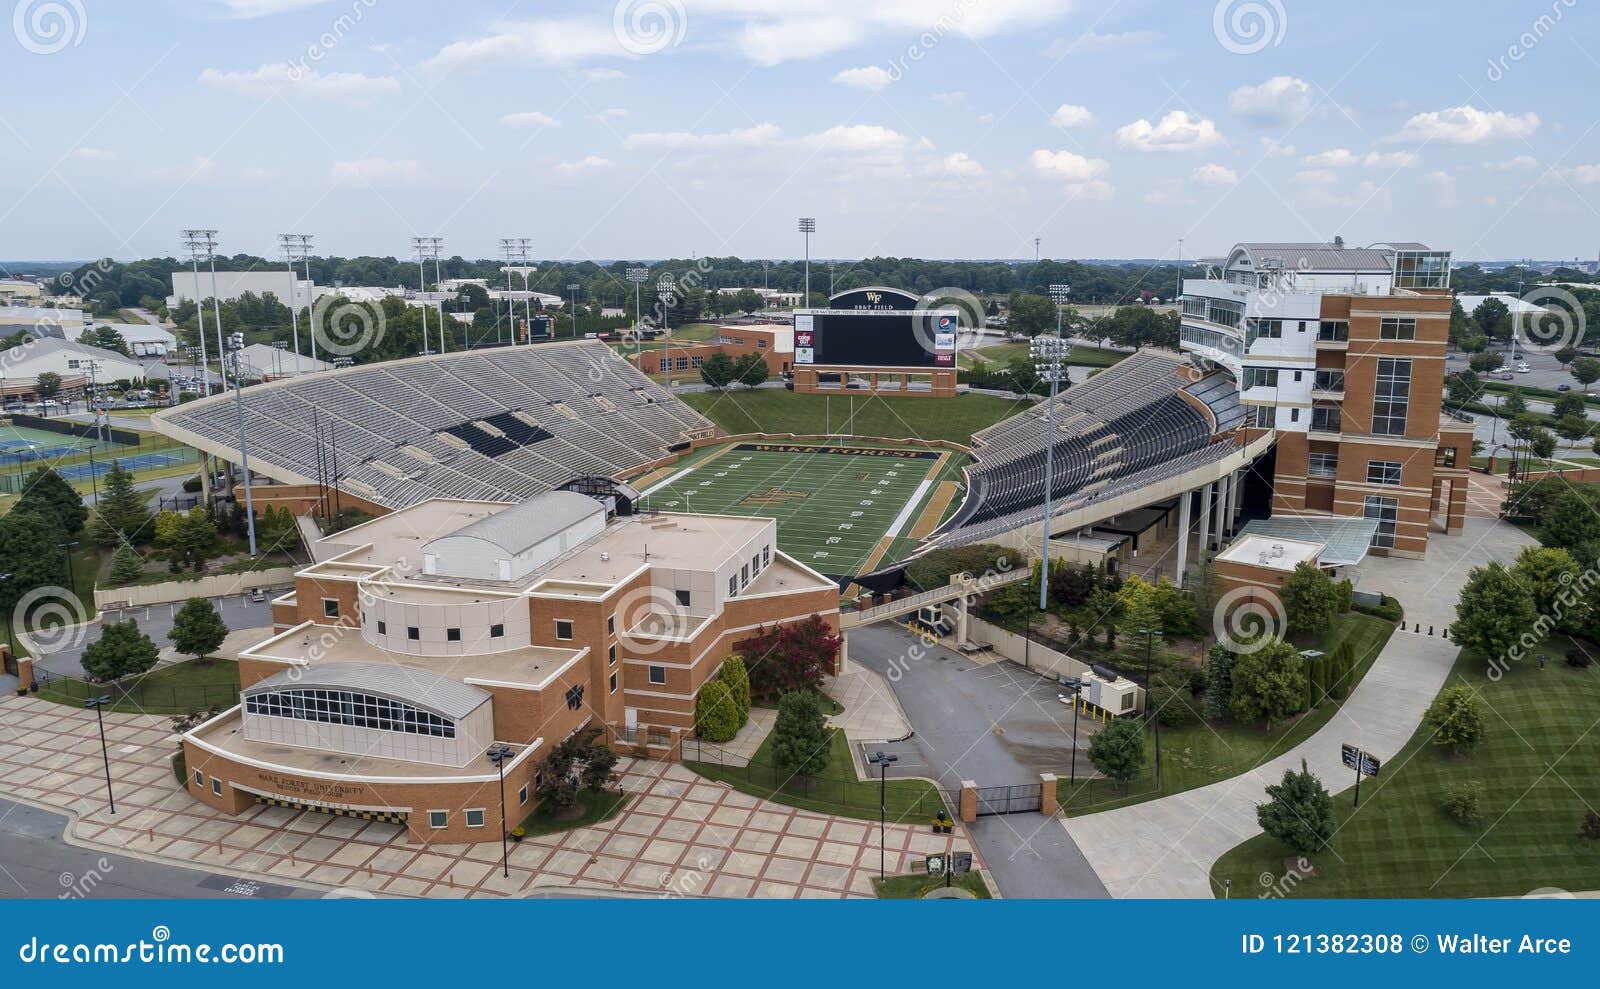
point(916, 128)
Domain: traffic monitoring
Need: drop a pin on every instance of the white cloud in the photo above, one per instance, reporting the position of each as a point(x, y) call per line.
point(378, 171)
point(1071, 115)
point(760, 135)
point(91, 154)
point(873, 77)
point(1271, 147)
point(1090, 41)
point(1466, 125)
point(1081, 176)
point(1586, 174)
point(960, 163)
point(949, 99)
point(568, 39)
point(613, 113)
point(248, 9)
point(529, 118)
point(1316, 176)
point(1520, 163)
point(351, 88)
point(1345, 158)
point(859, 139)
point(1177, 131)
point(585, 165)
point(605, 75)
point(1279, 100)
point(1214, 174)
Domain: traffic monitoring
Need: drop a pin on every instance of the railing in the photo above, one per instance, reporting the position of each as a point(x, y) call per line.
point(938, 595)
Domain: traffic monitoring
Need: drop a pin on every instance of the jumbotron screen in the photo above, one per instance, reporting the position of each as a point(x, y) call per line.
point(914, 338)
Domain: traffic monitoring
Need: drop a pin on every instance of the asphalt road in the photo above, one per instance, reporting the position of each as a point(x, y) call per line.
point(35, 863)
point(995, 724)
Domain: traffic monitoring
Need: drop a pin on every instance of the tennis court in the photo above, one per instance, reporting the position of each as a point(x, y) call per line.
point(834, 504)
point(137, 462)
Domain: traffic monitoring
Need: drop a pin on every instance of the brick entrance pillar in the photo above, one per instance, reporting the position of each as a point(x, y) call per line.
point(968, 811)
point(1047, 794)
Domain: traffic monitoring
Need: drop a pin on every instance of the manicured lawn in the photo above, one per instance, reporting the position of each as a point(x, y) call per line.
point(182, 688)
point(1198, 755)
point(778, 410)
point(912, 887)
point(601, 806)
point(836, 792)
point(1539, 763)
point(1004, 353)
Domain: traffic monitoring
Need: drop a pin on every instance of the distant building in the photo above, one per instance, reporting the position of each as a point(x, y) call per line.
point(16, 290)
point(1516, 306)
point(260, 362)
point(146, 341)
point(771, 296)
point(67, 358)
point(773, 341)
point(41, 321)
point(289, 288)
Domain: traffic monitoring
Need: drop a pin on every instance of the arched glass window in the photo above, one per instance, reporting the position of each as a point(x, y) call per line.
point(346, 707)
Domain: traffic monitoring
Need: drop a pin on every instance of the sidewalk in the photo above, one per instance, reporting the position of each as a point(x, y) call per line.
point(1166, 847)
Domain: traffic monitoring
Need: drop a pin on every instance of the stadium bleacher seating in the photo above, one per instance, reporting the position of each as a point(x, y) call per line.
point(554, 411)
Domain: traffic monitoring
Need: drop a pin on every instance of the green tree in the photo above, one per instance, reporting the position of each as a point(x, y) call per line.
point(30, 552)
point(1494, 318)
point(1552, 575)
point(1268, 683)
point(120, 514)
point(737, 679)
point(1465, 386)
point(750, 370)
point(1117, 750)
point(1496, 606)
point(800, 736)
point(44, 492)
point(198, 629)
point(1457, 718)
point(1031, 315)
point(716, 714)
point(1309, 600)
point(1514, 404)
point(1573, 428)
point(1023, 375)
point(597, 760)
point(122, 650)
point(196, 541)
point(718, 371)
point(1568, 404)
point(1568, 520)
point(1566, 355)
point(126, 565)
point(1485, 362)
point(1219, 683)
point(49, 385)
point(1298, 812)
point(276, 530)
point(1585, 371)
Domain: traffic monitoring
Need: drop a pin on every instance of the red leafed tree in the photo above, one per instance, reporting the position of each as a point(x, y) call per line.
point(784, 658)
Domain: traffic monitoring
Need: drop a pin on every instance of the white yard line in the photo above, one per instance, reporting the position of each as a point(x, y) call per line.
point(668, 480)
point(905, 513)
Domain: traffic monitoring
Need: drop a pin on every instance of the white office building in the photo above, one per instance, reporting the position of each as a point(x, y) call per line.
point(289, 288)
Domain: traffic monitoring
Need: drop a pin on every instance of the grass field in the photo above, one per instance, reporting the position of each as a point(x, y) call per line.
point(1539, 764)
point(778, 410)
point(834, 504)
point(1004, 353)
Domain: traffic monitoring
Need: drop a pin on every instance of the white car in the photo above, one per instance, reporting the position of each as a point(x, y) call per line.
point(1523, 368)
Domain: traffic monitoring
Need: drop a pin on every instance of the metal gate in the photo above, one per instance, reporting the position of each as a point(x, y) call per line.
point(1008, 799)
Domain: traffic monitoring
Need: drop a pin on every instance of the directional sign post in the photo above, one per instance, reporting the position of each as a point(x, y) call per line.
point(1363, 763)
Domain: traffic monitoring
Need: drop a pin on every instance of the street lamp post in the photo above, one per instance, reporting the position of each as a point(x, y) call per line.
point(883, 760)
point(1075, 684)
point(808, 226)
point(96, 703)
point(1150, 635)
point(499, 755)
point(1048, 353)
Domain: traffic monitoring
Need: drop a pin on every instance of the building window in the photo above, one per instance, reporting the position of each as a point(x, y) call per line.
point(522, 794)
point(1264, 416)
point(1333, 331)
point(1294, 415)
point(744, 576)
point(1262, 329)
point(683, 598)
point(563, 629)
point(766, 555)
point(1260, 377)
point(216, 786)
point(383, 627)
point(1383, 472)
point(611, 656)
point(733, 585)
point(413, 633)
point(438, 819)
point(1391, 396)
point(1397, 328)
point(1387, 513)
point(658, 674)
point(611, 624)
point(497, 631)
point(1323, 465)
point(346, 707)
point(613, 683)
point(755, 563)
point(198, 779)
point(330, 608)
point(452, 635)
point(475, 817)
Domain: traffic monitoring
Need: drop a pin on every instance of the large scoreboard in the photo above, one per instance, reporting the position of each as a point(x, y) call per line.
point(876, 328)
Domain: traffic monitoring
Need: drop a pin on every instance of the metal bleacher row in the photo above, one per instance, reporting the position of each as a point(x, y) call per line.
point(1124, 428)
point(410, 430)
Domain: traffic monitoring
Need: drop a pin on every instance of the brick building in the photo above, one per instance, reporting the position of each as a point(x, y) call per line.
point(775, 343)
point(422, 638)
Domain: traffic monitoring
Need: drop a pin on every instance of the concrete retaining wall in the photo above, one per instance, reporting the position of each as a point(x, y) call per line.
point(1016, 648)
point(218, 585)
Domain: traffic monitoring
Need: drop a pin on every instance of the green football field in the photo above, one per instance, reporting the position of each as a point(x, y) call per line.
point(834, 504)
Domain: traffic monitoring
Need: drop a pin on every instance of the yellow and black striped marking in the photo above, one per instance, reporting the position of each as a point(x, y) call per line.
point(386, 817)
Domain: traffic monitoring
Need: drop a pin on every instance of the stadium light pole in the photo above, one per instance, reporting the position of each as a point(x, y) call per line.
point(193, 240)
point(296, 246)
point(216, 303)
point(808, 226)
point(667, 289)
point(1047, 355)
point(516, 249)
point(573, 288)
point(236, 343)
point(425, 248)
point(638, 275)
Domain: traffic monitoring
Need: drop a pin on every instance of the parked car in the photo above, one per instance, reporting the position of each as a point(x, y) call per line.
point(1563, 387)
point(1508, 377)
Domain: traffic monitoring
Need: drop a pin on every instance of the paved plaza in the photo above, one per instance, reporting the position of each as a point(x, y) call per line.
point(678, 835)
